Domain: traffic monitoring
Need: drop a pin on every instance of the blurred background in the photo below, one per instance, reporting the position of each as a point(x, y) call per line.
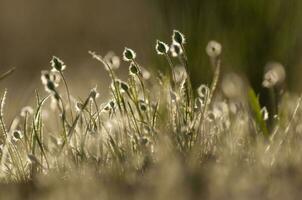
point(251, 32)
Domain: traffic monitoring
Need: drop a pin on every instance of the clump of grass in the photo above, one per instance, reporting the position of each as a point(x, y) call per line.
point(155, 135)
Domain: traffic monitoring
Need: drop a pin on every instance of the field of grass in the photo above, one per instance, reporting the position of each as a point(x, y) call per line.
point(156, 137)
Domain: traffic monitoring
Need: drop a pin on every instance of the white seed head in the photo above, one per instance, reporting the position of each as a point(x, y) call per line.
point(129, 54)
point(274, 75)
point(57, 64)
point(27, 110)
point(145, 73)
point(203, 91)
point(176, 49)
point(178, 37)
point(213, 49)
point(232, 86)
point(161, 48)
point(112, 60)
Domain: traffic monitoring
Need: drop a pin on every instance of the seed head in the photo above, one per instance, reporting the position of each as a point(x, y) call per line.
point(145, 73)
point(124, 86)
point(161, 48)
point(213, 49)
point(203, 91)
point(142, 105)
point(112, 60)
point(94, 93)
point(233, 86)
point(110, 106)
point(17, 135)
point(178, 37)
point(50, 87)
point(57, 64)
point(27, 110)
point(52, 76)
point(129, 54)
point(134, 69)
point(176, 49)
point(274, 75)
point(79, 106)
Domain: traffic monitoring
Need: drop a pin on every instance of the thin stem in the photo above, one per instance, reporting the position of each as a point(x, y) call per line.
point(6, 74)
point(68, 94)
point(171, 68)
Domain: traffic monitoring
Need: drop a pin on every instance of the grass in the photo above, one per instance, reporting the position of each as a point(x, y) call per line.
point(155, 138)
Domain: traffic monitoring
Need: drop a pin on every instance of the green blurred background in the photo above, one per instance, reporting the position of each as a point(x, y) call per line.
point(252, 33)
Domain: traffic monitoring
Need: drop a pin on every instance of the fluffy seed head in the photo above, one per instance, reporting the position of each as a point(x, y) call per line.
point(274, 75)
point(57, 64)
point(161, 48)
point(129, 54)
point(145, 73)
point(112, 60)
point(233, 86)
point(27, 110)
point(213, 49)
point(178, 37)
point(176, 49)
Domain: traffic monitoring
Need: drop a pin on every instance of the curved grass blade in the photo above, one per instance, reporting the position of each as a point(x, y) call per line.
point(256, 109)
